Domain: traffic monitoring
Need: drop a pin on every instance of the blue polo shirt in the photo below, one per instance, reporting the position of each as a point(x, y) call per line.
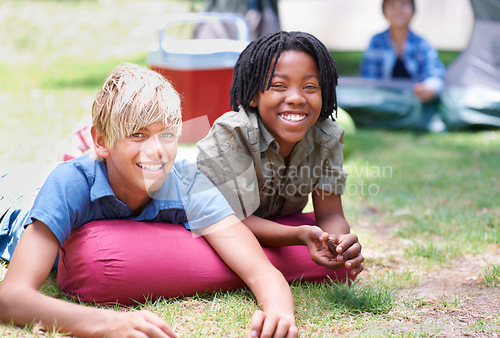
point(78, 191)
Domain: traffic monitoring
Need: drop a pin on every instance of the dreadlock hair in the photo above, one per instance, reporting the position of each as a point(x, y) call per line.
point(255, 68)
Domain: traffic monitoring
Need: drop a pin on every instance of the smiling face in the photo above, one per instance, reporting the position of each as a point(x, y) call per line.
point(139, 163)
point(398, 12)
point(293, 103)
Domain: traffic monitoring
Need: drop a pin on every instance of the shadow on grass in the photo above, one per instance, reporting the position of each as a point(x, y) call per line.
point(346, 299)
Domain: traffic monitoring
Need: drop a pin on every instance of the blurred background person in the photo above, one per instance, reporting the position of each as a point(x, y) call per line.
point(399, 53)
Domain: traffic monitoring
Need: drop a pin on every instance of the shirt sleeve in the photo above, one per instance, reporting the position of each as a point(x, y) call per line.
point(333, 176)
point(63, 199)
point(203, 202)
point(433, 68)
point(371, 63)
point(226, 157)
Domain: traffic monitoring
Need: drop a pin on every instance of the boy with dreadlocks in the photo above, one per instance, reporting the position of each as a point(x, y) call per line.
point(280, 145)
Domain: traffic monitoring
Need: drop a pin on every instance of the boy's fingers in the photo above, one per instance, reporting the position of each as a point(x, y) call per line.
point(316, 233)
point(346, 243)
point(263, 325)
point(159, 327)
point(353, 251)
point(293, 332)
point(355, 262)
point(283, 329)
point(357, 270)
point(270, 327)
point(256, 323)
point(348, 240)
point(324, 236)
point(153, 331)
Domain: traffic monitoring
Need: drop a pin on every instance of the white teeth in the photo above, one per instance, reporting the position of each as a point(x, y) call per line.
point(293, 117)
point(150, 167)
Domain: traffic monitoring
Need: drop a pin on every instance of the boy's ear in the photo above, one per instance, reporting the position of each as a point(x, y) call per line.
point(100, 146)
point(253, 102)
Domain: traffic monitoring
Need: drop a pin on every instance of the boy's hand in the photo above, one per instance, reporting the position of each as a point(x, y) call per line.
point(349, 252)
point(424, 93)
point(268, 325)
point(315, 240)
point(137, 324)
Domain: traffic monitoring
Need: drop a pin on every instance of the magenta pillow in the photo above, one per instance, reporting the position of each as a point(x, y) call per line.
point(110, 261)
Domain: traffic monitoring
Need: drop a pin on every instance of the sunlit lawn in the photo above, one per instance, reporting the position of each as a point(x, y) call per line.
point(436, 194)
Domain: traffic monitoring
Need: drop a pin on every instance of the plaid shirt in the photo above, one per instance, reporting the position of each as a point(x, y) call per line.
point(419, 58)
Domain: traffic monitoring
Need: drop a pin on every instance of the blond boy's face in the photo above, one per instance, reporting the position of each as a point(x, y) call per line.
point(139, 163)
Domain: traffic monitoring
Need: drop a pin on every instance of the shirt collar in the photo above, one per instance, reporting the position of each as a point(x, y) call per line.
point(266, 139)
point(166, 197)
point(258, 132)
point(169, 193)
point(100, 186)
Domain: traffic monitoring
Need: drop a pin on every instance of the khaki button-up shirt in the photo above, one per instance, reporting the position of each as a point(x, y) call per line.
point(242, 159)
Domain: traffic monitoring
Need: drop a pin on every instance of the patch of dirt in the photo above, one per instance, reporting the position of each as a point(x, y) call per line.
point(451, 300)
point(457, 300)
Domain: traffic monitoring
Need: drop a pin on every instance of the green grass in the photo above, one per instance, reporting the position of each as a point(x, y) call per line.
point(491, 275)
point(440, 186)
point(418, 202)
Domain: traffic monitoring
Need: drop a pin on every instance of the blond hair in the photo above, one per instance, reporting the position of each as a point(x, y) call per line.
point(132, 98)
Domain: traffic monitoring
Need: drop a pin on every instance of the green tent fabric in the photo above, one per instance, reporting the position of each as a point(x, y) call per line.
point(470, 107)
point(383, 104)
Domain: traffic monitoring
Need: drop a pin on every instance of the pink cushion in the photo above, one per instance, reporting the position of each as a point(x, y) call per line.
point(124, 261)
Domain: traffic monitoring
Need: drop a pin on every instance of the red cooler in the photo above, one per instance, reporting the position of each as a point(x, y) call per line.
point(197, 53)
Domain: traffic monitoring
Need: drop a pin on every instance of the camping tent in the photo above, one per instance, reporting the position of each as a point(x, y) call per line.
point(472, 94)
point(471, 97)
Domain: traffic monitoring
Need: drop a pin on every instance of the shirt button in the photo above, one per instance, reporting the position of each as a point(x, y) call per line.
point(274, 145)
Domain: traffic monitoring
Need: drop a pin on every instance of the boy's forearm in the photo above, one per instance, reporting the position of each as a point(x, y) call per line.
point(329, 214)
point(334, 224)
point(273, 293)
point(273, 234)
point(24, 307)
point(22, 302)
point(242, 253)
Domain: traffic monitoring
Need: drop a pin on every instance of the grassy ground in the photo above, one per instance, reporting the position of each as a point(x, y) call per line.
point(425, 206)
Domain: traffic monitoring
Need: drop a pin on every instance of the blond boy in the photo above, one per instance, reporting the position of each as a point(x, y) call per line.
point(136, 124)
